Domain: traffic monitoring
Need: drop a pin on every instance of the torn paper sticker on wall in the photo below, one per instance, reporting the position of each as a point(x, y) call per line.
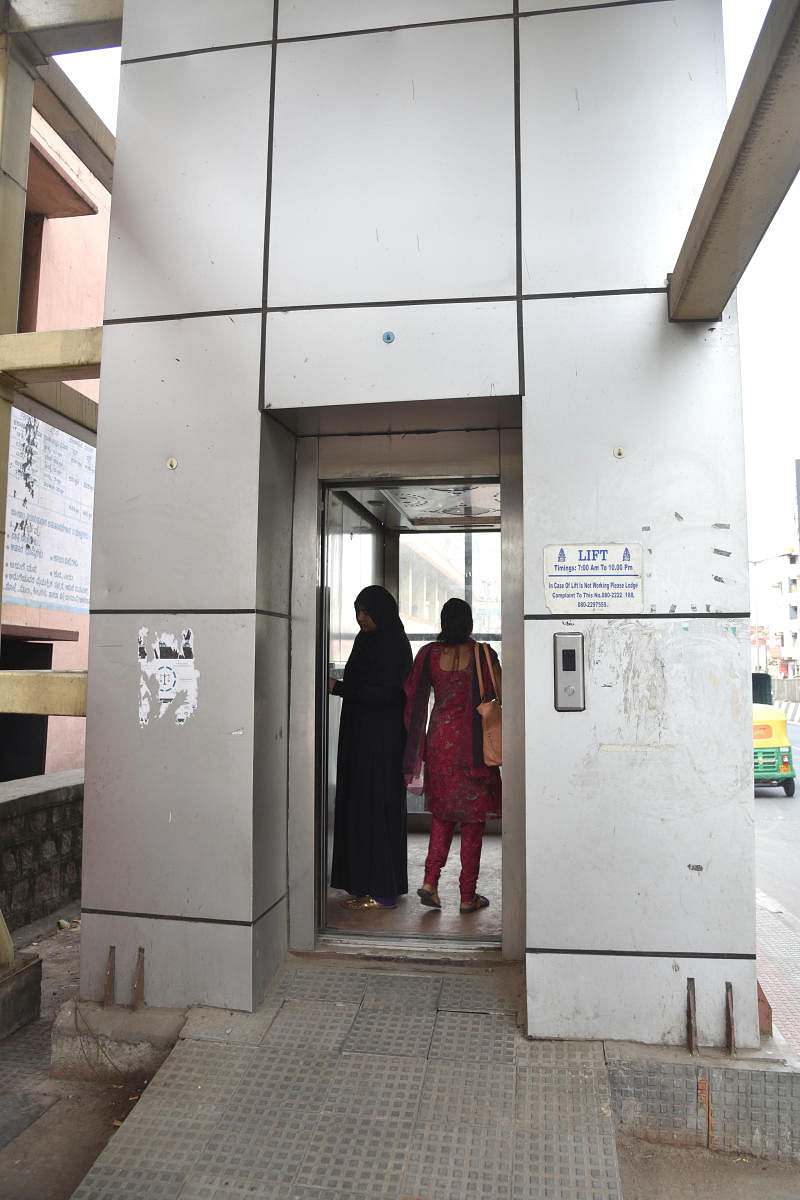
point(168, 675)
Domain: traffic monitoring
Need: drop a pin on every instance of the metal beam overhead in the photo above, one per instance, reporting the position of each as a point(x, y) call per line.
point(74, 120)
point(755, 164)
point(65, 26)
point(60, 405)
point(44, 693)
point(56, 355)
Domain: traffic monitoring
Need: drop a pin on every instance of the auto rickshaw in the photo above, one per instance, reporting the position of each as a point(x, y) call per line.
point(772, 750)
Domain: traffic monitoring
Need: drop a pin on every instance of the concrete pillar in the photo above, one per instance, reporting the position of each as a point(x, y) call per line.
point(16, 97)
point(186, 758)
point(185, 795)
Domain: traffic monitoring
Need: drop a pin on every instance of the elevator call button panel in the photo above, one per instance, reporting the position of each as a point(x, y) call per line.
point(568, 677)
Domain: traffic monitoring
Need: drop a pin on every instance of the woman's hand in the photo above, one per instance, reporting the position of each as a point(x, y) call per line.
point(332, 682)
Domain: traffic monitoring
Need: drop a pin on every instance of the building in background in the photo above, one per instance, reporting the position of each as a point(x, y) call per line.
point(45, 609)
point(775, 604)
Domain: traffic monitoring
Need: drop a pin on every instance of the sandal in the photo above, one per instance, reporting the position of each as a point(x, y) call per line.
point(365, 902)
point(429, 898)
point(471, 906)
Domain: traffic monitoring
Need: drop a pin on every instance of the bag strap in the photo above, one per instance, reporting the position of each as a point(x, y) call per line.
point(478, 668)
point(491, 674)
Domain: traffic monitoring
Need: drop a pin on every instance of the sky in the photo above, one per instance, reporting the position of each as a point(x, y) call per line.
point(766, 302)
point(768, 335)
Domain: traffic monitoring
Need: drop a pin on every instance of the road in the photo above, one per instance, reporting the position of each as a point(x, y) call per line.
point(778, 839)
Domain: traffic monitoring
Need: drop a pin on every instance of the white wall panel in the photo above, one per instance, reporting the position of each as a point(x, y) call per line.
point(168, 808)
point(393, 172)
point(303, 18)
point(640, 808)
point(638, 999)
point(622, 109)
point(439, 350)
point(153, 27)
point(184, 962)
point(183, 538)
point(187, 220)
point(606, 372)
point(547, 6)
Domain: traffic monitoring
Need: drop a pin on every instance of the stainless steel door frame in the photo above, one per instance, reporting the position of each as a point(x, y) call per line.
point(331, 564)
point(456, 455)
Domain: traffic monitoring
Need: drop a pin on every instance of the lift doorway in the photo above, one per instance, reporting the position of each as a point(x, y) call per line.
point(359, 490)
point(427, 541)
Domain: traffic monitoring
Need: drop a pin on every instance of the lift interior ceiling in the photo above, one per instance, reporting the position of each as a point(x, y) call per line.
point(432, 506)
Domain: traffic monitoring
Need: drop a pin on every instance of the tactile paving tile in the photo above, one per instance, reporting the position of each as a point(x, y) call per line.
point(403, 993)
point(222, 1025)
point(291, 1079)
point(129, 1183)
point(319, 1024)
point(332, 983)
point(348, 1157)
point(565, 1165)
point(190, 1108)
point(466, 1164)
point(375, 1086)
point(755, 1111)
point(480, 993)
point(560, 1097)
point(324, 1193)
point(474, 1037)
point(202, 1186)
point(559, 1054)
point(660, 1101)
point(465, 1094)
point(194, 1065)
point(24, 1052)
point(390, 1033)
point(171, 1151)
point(269, 1154)
point(18, 1110)
point(780, 938)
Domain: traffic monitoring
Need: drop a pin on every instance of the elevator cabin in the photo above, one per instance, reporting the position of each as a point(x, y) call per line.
point(428, 516)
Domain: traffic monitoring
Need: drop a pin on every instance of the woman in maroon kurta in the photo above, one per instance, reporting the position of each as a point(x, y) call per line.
point(446, 764)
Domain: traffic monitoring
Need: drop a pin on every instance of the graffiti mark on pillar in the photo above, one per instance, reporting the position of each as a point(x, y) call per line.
point(168, 675)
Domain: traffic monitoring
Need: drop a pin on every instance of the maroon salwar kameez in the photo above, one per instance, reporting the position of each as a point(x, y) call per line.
point(446, 763)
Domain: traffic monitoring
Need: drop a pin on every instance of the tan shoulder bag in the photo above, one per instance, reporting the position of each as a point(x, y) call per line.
point(490, 712)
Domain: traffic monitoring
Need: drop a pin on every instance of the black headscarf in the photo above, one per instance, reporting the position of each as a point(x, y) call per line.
point(382, 656)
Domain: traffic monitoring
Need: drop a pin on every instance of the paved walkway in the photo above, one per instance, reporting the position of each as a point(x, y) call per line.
point(364, 1081)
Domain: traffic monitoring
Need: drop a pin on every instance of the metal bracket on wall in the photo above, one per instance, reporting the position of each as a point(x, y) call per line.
point(691, 1017)
point(108, 988)
point(730, 1032)
point(138, 982)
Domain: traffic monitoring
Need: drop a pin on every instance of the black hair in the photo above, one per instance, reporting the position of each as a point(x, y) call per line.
point(456, 619)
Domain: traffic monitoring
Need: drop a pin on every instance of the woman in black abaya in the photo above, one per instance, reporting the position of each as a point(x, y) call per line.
point(369, 829)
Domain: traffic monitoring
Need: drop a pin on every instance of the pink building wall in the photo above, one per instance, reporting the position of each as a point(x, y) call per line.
point(70, 296)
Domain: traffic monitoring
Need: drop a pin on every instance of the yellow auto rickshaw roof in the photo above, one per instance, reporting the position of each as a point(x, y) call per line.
point(768, 712)
point(774, 719)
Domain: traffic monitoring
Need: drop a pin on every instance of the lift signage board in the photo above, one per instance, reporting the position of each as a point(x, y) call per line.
point(593, 577)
